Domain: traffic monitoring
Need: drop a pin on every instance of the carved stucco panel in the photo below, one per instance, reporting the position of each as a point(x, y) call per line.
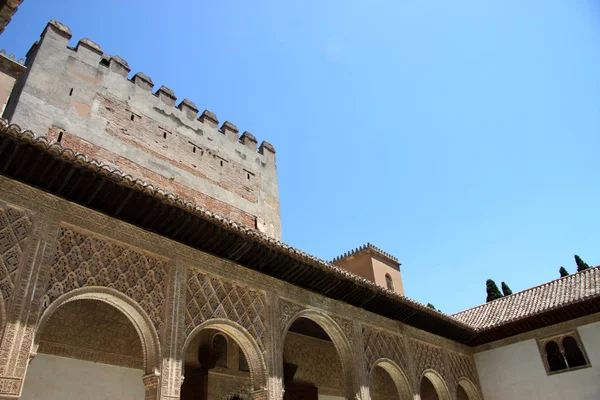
point(318, 361)
point(15, 228)
point(346, 327)
point(224, 387)
point(209, 296)
point(462, 366)
point(381, 344)
point(287, 311)
point(83, 259)
point(93, 331)
point(426, 356)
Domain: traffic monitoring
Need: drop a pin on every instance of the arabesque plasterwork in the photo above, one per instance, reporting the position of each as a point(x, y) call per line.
point(65, 247)
point(462, 367)
point(382, 344)
point(15, 227)
point(209, 296)
point(427, 357)
point(83, 259)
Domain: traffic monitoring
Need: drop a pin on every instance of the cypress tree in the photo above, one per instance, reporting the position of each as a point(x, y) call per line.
point(505, 289)
point(492, 290)
point(563, 272)
point(581, 265)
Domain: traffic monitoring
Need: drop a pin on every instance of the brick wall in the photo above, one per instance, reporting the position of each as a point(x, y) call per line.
point(137, 171)
point(139, 130)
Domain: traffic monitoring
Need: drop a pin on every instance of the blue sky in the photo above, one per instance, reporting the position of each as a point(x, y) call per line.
point(460, 136)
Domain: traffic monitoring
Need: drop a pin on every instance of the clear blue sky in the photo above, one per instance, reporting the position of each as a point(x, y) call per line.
point(461, 136)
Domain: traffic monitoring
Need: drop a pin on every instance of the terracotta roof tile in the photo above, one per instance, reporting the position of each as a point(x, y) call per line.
point(547, 297)
point(115, 175)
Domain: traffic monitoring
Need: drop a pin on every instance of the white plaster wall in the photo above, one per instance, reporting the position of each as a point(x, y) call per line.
point(325, 397)
point(59, 378)
point(516, 372)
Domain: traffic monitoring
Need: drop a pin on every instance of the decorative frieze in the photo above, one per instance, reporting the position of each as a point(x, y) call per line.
point(10, 386)
point(128, 262)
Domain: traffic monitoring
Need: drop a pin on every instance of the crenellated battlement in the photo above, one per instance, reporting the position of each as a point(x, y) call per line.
point(186, 110)
point(366, 248)
point(125, 118)
point(12, 57)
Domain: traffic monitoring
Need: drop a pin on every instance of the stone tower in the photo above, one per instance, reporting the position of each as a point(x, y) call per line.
point(85, 100)
point(374, 264)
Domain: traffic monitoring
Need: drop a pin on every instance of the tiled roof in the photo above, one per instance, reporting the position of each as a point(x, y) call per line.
point(81, 160)
point(465, 326)
point(550, 296)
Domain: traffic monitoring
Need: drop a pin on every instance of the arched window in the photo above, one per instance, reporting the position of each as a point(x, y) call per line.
point(573, 353)
point(219, 347)
point(556, 361)
point(388, 282)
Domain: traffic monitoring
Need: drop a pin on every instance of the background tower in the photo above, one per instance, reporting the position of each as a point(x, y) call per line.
point(373, 264)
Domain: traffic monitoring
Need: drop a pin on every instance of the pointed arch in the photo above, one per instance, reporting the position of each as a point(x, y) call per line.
point(438, 383)
point(243, 339)
point(398, 376)
point(340, 342)
point(132, 310)
point(469, 388)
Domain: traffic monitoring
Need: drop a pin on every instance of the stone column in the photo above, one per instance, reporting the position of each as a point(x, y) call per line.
point(24, 306)
point(174, 334)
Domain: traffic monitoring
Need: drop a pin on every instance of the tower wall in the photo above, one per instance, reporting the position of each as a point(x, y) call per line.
point(86, 100)
point(373, 264)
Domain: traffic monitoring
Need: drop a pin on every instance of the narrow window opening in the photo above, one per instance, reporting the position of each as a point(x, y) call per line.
point(71, 92)
point(573, 353)
point(556, 361)
point(193, 149)
point(133, 117)
point(60, 134)
point(389, 282)
point(221, 163)
point(248, 176)
point(164, 135)
point(255, 223)
point(104, 62)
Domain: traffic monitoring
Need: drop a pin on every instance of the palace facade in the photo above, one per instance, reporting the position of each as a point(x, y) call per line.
point(140, 259)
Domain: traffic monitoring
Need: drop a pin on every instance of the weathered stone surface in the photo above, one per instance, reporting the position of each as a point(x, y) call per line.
point(148, 135)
